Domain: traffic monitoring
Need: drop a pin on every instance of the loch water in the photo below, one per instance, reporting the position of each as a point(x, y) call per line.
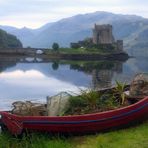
point(35, 79)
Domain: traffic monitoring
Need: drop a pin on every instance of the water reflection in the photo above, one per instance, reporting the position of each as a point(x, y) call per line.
point(55, 65)
point(31, 84)
point(101, 71)
point(33, 80)
point(24, 80)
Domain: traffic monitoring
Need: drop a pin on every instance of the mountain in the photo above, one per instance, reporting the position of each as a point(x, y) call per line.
point(8, 40)
point(131, 28)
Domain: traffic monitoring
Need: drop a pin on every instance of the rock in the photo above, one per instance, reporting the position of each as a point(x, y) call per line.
point(139, 85)
point(38, 110)
point(29, 109)
point(56, 104)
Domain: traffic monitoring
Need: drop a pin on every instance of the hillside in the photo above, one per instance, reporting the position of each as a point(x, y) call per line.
point(8, 40)
point(132, 29)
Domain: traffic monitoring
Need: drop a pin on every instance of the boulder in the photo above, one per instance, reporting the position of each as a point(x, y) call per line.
point(56, 104)
point(29, 109)
point(139, 85)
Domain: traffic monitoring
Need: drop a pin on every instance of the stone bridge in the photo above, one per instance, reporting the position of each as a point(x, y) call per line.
point(23, 55)
point(23, 51)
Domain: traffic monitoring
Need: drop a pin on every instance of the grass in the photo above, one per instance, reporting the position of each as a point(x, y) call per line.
point(81, 51)
point(135, 137)
point(33, 141)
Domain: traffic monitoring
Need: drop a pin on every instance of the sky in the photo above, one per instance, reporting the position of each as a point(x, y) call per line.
point(35, 13)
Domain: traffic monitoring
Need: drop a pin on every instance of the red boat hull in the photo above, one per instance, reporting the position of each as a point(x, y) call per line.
point(77, 124)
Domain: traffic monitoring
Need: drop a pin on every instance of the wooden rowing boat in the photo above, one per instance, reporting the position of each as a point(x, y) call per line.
point(77, 124)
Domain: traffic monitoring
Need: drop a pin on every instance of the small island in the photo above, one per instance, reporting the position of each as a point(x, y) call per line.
point(102, 45)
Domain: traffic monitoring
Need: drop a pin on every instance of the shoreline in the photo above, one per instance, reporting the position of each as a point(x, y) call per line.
point(121, 56)
point(32, 52)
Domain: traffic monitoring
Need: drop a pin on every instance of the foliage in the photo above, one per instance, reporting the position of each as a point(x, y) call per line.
point(107, 101)
point(77, 101)
point(89, 46)
point(90, 101)
point(119, 90)
point(91, 97)
point(76, 105)
point(8, 40)
point(75, 45)
point(55, 46)
point(87, 43)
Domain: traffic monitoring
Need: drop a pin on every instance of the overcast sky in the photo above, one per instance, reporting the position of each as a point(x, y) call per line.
point(35, 13)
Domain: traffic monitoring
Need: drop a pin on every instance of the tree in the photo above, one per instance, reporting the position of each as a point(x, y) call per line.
point(8, 40)
point(55, 46)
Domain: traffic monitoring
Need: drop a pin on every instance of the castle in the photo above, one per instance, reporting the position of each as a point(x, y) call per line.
point(102, 36)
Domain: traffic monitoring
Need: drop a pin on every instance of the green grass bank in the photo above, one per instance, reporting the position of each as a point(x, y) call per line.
point(135, 137)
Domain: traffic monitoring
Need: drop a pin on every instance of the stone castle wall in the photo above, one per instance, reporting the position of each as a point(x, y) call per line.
point(102, 34)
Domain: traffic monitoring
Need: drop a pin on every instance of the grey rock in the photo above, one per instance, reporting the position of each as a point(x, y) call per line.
point(29, 109)
point(139, 85)
point(56, 104)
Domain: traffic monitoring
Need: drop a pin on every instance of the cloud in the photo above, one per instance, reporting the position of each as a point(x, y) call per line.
point(34, 13)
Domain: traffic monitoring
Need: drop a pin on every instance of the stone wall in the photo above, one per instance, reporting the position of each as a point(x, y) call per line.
point(119, 44)
point(102, 34)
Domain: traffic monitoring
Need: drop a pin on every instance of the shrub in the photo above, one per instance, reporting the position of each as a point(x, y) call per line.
point(91, 97)
point(76, 105)
point(90, 101)
point(119, 90)
point(55, 46)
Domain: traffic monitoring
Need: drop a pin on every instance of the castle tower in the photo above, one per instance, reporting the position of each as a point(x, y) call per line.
point(102, 34)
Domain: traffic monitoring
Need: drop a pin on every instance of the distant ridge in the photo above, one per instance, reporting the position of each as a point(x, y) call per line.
point(131, 28)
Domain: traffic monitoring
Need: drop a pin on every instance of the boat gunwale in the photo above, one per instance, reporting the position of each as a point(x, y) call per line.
point(87, 121)
point(75, 116)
